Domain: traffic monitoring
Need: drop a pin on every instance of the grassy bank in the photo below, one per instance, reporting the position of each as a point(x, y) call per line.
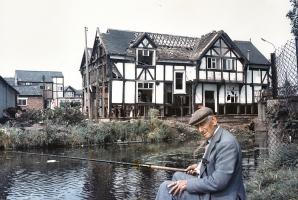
point(68, 127)
point(277, 177)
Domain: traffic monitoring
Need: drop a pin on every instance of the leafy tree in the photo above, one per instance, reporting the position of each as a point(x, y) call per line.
point(293, 16)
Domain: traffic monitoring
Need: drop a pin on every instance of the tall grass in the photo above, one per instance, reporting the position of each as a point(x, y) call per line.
point(277, 177)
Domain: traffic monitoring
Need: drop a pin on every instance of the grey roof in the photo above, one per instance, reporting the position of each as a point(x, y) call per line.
point(10, 80)
point(10, 86)
point(37, 76)
point(255, 56)
point(120, 42)
point(29, 90)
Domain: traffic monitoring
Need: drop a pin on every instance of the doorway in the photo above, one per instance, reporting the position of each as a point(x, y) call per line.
point(209, 100)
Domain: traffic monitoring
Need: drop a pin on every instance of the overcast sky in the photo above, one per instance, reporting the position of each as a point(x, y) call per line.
point(49, 34)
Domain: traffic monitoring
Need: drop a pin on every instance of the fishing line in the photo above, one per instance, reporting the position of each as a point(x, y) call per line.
point(150, 166)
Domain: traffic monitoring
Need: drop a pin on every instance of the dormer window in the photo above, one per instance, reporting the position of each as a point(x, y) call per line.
point(145, 57)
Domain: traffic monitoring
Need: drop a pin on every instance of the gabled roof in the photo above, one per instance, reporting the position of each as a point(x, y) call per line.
point(89, 51)
point(173, 47)
point(25, 90)
point(141, 38)
point(255, 56)
point(77, 92)
point(6, 83)
point(37, 76)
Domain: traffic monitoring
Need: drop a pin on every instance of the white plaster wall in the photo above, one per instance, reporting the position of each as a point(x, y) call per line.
point(169, 72)
point(249, 76)
point(203, 63)
point(239, 66)
point(242, 95)
point(249, 94)
point(225, 75)
point(217, 75)
point(239, 76)
point(129, 70)
point(210, 75)
point(233, 76)
point(179, 67)
point(142, 77)
point(120, 67)
point(117, 91)
point(257, 76)
point(190, 73)
point(159, 72)
point(159, 93)
point(222, 94)
point(58, 80)
point(130, 92)
point(198, 94)
point(232, 54)
point(202, 74)
point(263, 75)
point(152, 73)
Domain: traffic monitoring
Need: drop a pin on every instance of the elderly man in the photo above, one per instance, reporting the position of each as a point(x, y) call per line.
point(218, 175)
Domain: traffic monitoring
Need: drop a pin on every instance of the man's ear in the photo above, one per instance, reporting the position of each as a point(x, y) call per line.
point(214, 120)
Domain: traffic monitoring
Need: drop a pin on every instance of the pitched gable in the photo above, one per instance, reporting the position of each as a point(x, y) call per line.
point(144, 41)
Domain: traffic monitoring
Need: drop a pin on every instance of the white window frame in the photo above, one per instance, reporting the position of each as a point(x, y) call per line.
point(22, 99)
point(180, 91)
point(229, 64)
point(213, 63)
point(145, 86)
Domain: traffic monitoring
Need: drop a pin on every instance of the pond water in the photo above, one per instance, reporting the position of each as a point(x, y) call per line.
point(27, 176)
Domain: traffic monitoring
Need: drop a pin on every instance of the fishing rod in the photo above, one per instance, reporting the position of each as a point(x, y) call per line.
point(150, 166)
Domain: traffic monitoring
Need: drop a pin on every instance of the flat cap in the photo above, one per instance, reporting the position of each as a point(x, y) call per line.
point(200, 115)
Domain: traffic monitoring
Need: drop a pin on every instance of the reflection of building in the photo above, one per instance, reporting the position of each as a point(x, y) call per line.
point(72, 96)
point(39, 89)
point(8, 96)
point(137, 71)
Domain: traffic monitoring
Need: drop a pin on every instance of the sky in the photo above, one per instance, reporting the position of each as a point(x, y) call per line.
point(49, 34)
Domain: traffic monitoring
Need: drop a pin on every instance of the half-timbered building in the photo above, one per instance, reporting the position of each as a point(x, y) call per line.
point(130, 72)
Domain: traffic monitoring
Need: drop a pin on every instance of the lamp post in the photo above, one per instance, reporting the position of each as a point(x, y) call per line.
point(273, 69)
point(269, 43)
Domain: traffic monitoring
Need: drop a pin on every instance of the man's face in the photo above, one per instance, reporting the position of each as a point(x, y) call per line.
point(206, 128)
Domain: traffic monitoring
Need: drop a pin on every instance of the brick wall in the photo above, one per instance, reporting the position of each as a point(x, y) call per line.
point(35, 103)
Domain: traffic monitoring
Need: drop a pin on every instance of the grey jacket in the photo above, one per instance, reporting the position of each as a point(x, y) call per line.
point(221, 171)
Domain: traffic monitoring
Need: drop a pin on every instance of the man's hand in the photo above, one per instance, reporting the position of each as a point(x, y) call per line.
point(177, 187)
point(192, 169)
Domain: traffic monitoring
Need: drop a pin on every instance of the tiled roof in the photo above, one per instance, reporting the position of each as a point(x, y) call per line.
point(255, 56)
point(37, 76)
point(120, 42)
point(29, 90)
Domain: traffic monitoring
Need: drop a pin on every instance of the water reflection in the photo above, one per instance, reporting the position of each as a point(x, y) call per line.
point(32, 177)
